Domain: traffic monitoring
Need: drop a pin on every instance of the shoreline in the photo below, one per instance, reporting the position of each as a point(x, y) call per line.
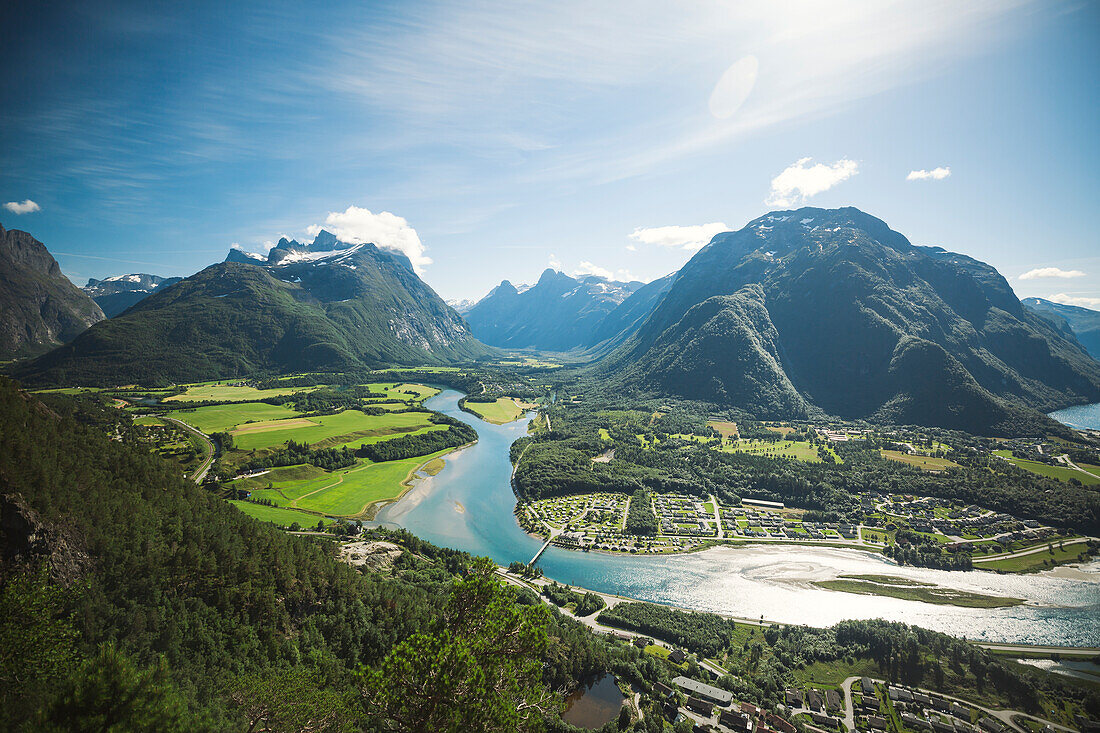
point(370, 510)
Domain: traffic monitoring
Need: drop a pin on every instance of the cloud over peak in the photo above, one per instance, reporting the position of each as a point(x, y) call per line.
point(800, 181)
point(22, 207)
point(357, 225)
point(691, 238)
point(1082, 301)
point(1045, 272)
point(936, 174)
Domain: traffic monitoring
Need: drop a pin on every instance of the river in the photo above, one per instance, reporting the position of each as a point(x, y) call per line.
point(469, 506)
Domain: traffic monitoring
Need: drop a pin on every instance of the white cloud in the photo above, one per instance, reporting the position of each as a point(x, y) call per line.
point(733, 88)
point(1078, 300)
point(691, 238)
point(588, 268)
point(22, 207)
point(1042, 272)
point(357, 225)
point(936, 174)
point(799, 182)
point(554, 263)
point(631, 247)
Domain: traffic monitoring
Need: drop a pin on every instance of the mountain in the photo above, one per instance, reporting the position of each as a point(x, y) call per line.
point(832, 310)
point(461, 305)
point(558, 313)
point(39, 307)
point(304, 307)
point(631, 313)
point(1083, 323)
point(116, 294)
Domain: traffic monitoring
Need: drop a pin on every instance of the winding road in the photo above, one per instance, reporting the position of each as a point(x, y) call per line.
point(208, 446)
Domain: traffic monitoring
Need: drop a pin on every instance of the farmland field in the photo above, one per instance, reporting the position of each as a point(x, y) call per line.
point(799, 450)
point(1061, 473)
point(726, 428)
point(349, 427)
point(216, 418)
point(925, 463)
point(230, 393)
point(504, 410)
point(282, 517)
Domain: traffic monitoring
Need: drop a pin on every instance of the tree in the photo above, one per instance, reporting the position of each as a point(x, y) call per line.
point(110, 693)
point(293, 700)
point(477, 669)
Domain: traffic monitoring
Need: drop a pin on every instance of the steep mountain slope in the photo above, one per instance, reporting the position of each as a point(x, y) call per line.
point(866, 326)
point(1083, 323)
point(631, 313)
point(303, 308)
point(556, 314)
point(116, 294)
point(39, 307)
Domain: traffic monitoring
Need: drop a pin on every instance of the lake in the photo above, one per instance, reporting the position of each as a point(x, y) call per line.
point(1079, 416)
point(593, 704)
point(469, 505)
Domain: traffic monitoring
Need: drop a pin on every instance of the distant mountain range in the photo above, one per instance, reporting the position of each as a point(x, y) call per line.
point(39, 307)
point(820, 310)
point(324, 305)
point(115, 294)
point(558, 313)
point(1083, 323)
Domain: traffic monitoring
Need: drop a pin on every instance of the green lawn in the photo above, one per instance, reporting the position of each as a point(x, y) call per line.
point(504, 410)
point(217, 418)
point(147, 420)
point(347, 427)
point(229, 393)
point(1061, 473)
point(352, 490)
point(282, 517)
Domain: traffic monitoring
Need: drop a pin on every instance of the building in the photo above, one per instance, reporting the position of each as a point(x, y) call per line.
point(813, 700)
point(700, 706)
point(660, 689)
point(794, 698)
point(677, 657)
point(780, 724)
point(832, 699)
point(736, 721)
point(715, 695)
point(867, 685)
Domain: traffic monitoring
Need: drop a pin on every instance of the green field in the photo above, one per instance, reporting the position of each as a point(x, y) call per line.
point(147, 420)
point(925, 463)
point(1061, 473)
point(1035, 561)
point(346, 492)
point(799, 450)
point(911, 591)
point(282, 517)
point(350, 427)
point(504, 410)
point(218, 418)
point(230, 393)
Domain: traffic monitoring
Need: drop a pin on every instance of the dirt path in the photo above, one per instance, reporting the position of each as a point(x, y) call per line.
point(208, 448)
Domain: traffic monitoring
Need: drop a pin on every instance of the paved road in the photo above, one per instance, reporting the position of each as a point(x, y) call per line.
point(1031, 551)
point(208, 459)
point(1084, 651)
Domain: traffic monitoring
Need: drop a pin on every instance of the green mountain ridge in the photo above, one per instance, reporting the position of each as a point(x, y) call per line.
point(866, 325)
point(360, 307)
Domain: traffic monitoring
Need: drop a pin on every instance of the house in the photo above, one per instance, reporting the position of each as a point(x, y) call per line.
point(823, 719)
point(913, 721)
point(749, 709)
point(867, 685)
point(716, 695)
point(780, 724)
point(736, 721)
point(677, 657)
point(794, 698)
point(877, 722)
point(700, 706)
point(814, 700)
point(660, 689)
point(832, 699)
point(990, 725)
point(641, 642)
point(941, 727)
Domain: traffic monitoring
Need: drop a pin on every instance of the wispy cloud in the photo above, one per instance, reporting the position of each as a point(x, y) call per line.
point(1045, 272)
point(357, 225)
point(691, 237)
point(22, 207)
point(588, 268)
point(801, 181)
point(1083, 301)
point(936, 174)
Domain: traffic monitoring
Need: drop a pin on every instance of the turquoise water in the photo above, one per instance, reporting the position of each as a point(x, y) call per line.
point(1079, 416)
point(469, 505)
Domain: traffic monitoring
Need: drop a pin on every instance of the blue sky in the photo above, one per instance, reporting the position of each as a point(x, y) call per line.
point(489, 140)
